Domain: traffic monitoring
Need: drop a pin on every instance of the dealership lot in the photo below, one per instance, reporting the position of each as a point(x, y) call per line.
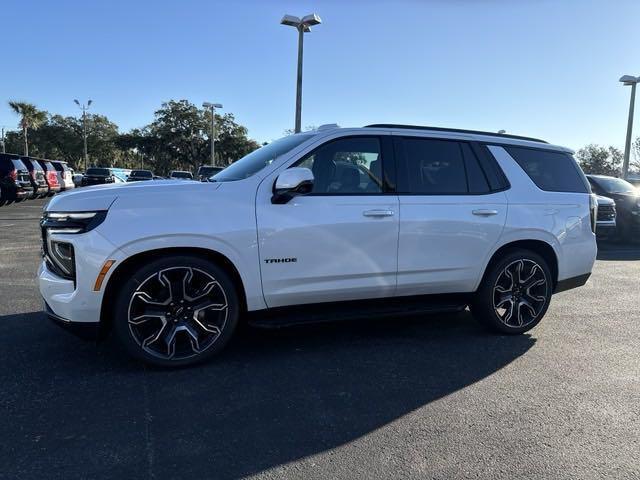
point(410, 397)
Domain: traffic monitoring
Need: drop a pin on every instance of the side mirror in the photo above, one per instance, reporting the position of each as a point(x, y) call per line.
point(290, 183)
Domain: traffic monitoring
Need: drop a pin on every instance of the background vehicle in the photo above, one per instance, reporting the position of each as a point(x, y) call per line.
point(322, 225)
point(180, 175)
point(207, 171)
point(140, 175)
point(97, 176)
point(77, 179)
point(65, 174)
point(15, 179)
point(627, 200)
point(51, 176)
point(37, 177)
point(606, 224)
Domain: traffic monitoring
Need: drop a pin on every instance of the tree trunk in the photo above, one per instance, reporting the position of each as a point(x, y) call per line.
point(26, 142)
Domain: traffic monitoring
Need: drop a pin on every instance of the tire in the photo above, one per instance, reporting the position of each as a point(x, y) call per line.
point(515, 293)
point(176, 311)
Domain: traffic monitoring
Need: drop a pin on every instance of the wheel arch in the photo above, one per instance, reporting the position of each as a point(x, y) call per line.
point(542, 248)
point(134, 262)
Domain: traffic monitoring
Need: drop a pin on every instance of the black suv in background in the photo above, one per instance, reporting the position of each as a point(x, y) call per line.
point(627, 198)
point(97, 176)
point(140, 175)
point(36, 177)
point(15, 183)
point(207, 171)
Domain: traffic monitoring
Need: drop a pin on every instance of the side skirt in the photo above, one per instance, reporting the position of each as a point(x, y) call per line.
point(357, 309)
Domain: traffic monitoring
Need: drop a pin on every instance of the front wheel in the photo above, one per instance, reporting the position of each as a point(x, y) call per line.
point(515, 293)
point(176, 311)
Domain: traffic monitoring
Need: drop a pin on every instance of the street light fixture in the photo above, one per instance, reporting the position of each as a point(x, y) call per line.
point(84, 127)
point(633, 81)
point(213, 107)
point(303, 25)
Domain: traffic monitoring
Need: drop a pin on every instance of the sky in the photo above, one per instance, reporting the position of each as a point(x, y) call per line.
point(542, 68)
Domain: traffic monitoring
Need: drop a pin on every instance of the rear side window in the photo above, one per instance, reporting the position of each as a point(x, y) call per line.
point(550, 171)
point(59, 166)
point(19, 165)
point(439, 167)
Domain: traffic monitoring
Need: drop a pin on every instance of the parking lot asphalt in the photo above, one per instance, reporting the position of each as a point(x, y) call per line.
point(409, 397)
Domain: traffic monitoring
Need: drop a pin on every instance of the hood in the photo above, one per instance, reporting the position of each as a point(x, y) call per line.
point(604, 200)
point(101, 197)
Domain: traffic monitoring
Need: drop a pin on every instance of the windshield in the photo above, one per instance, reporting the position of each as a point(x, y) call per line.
point(141, 173)
point(208, 171)
point(181, 175)
point(98, 171)
point(614, 185)
point(258, 159)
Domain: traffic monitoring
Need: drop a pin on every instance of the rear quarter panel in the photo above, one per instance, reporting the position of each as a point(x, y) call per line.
point(561, 219)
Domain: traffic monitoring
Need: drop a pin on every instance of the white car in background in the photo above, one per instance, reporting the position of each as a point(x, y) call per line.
point(332, 223)
point(65, 175)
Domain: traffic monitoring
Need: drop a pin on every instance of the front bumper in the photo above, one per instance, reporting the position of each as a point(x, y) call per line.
point(76, 301)
point(84, 330)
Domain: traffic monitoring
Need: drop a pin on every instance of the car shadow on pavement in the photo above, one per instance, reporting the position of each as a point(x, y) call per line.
point(74, 409)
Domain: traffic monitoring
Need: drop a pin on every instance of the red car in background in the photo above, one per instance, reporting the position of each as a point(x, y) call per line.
point(51, 176)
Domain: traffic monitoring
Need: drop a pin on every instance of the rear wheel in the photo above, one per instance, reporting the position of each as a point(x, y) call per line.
point(515, 293)
point(176, 311)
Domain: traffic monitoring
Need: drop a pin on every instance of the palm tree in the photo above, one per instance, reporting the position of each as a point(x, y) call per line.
point(31, 117)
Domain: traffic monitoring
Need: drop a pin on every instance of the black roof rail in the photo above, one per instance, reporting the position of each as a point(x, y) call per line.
point(453, 130)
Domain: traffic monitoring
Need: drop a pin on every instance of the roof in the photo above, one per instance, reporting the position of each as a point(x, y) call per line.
point(453, 130)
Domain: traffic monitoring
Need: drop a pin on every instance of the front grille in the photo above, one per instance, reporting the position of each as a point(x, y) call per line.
point(606, 213)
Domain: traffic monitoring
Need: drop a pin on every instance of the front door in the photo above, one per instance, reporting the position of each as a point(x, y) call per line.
point(339, 242)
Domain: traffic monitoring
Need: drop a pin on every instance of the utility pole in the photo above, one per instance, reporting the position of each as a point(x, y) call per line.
point(629, 80)
point(212, 107)
point(84, 128)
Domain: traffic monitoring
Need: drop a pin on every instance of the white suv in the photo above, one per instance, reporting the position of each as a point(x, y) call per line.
point(321, 225)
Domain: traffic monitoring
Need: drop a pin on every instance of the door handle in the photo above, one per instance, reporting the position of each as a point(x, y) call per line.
point(378, 213)
point(484, 212)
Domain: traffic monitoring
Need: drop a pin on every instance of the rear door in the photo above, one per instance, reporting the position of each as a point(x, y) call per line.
point(339, 242)
point(451, 214)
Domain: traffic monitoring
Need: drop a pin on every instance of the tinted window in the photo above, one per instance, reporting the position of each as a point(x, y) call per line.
point(551, 171)
point(346, 166)
point(97, 171)
point(141, 174)
point(181, 175)
point(431, 167)
point(476, 177)
point(613, 185)
point(258, 159)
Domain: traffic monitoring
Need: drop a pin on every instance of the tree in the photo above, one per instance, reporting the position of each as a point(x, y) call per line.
point(30, 117)
point(232, 142)
point(634, 161)
point(600, 160)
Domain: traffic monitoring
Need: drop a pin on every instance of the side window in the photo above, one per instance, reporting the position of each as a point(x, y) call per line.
point(551, 171)
point(346, 166)
point(476, 177)
point(431, 167)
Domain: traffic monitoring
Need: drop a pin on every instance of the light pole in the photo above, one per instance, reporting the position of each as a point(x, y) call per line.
point(84, 128)
point(302, 25)
point(4, 149)
point(212, 107)
point(629, 80)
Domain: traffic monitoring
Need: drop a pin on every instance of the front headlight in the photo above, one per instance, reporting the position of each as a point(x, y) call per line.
point(59, 254)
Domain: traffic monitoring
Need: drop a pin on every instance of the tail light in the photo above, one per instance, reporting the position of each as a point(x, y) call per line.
point(593, 209)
